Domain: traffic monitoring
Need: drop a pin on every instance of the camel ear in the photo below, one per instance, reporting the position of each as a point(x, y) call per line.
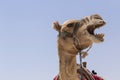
point(56, 26)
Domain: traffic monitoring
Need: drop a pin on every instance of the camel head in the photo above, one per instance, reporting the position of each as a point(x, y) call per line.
point(83, 30)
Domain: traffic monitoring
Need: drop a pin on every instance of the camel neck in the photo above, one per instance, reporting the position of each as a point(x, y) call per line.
point(67, 66)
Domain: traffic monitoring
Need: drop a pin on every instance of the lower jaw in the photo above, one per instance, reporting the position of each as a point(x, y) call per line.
point(96, 40)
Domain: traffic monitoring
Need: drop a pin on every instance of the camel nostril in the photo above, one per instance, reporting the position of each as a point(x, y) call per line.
point(102, 22)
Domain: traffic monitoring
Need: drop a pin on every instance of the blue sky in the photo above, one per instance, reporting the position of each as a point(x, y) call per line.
point(28, 48)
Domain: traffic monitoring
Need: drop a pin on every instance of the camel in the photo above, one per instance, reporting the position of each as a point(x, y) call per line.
point(74, 36)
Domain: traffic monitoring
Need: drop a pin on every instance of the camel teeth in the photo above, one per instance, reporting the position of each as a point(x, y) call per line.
point(99, 35)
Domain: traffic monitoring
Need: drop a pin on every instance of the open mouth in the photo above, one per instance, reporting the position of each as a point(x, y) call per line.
point(91, 30)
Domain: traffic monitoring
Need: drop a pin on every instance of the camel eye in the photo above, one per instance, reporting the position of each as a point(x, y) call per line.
point(70, 25)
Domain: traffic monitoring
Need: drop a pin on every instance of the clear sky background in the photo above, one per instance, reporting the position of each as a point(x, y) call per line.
point(28, 48)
